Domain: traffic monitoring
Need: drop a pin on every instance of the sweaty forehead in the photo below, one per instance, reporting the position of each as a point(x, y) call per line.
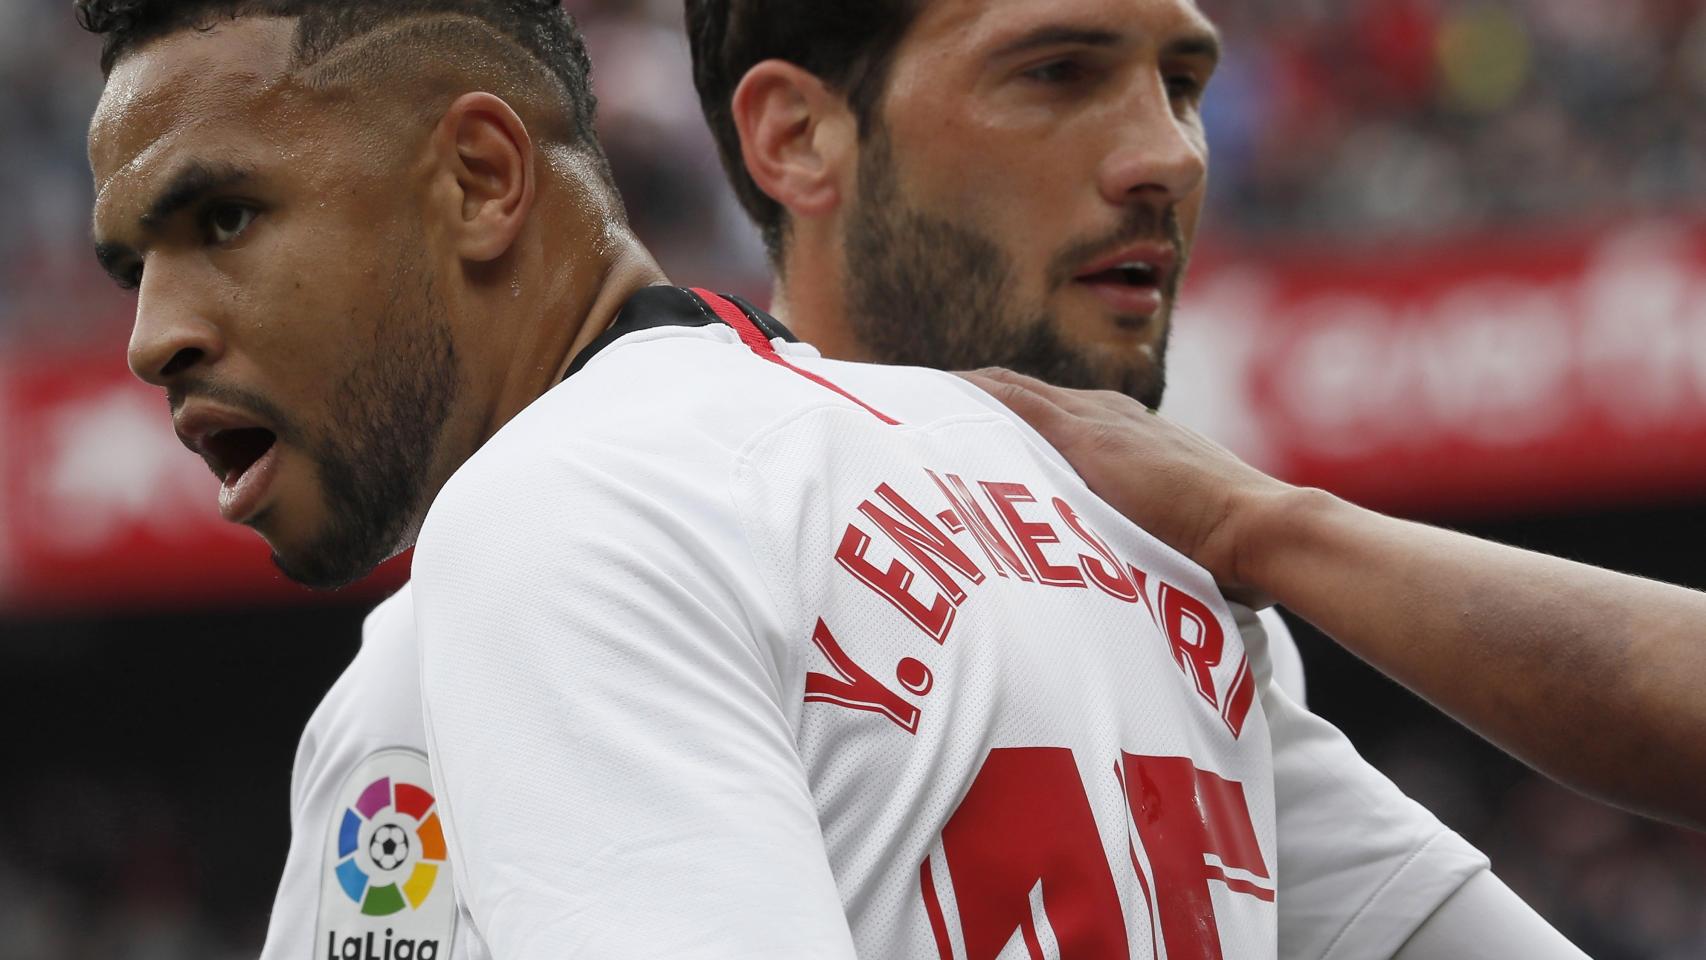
point(207, 90)
point(977, 25)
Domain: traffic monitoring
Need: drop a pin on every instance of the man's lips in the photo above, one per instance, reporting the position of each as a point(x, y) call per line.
point(239, 450)
point(1145, 265)
point(1134, 280)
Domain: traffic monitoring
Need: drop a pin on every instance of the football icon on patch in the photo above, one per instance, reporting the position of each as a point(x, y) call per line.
point(390, 848)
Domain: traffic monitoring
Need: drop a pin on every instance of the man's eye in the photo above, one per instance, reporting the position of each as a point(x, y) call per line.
point(225, 222)
point(1056, 72)
point(129, 278)
point(1183, 86)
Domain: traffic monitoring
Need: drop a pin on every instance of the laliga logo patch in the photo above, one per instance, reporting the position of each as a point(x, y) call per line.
point(400, 830)
point(386, 892)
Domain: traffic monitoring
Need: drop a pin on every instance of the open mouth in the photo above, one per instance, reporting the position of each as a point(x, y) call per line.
point(1132, 284)
point(1137, 275)
point(241, 453)
point(230, 453)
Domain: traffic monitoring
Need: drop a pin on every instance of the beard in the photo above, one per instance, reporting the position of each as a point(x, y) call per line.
point(374, 464)
point(923, 290)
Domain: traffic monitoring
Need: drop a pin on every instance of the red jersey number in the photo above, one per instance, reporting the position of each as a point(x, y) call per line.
point(1025, 837)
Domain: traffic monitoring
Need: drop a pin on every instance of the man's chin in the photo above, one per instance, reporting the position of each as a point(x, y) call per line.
point(330, 564)
point(316, 575)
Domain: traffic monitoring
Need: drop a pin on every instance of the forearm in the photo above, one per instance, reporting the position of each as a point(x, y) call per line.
point(1586, 674)
point(1591, 676)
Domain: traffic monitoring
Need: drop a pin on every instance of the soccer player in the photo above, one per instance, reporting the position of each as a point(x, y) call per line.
point(727, 649)
point(1497, 637)
point(949, 242)
point(955, 185)
point(365, 438)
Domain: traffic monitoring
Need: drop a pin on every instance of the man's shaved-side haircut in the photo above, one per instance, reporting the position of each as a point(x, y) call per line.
point(848, 44)
point(484, 35)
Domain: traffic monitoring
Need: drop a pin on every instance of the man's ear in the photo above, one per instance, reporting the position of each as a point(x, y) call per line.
point(799, 138)
point(486, 160)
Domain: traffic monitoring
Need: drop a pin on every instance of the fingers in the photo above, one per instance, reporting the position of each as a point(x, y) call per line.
point(1105, 405)
point(1026, 396)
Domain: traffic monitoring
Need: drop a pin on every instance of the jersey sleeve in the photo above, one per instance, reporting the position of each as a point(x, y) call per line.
point(1285, 660)
point(366, 727)
point(1486, 920)
point(606, 730)
point(1361, 865)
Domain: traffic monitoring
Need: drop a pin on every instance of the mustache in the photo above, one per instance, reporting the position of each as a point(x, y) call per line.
point(1141, 223)
point(236, 398)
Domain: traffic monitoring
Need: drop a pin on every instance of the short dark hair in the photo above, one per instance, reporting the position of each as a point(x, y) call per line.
point(541, 28)
point(848, 44)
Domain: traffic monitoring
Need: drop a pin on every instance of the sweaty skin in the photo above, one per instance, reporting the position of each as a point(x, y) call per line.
point(1590, 676)
point(371, 266)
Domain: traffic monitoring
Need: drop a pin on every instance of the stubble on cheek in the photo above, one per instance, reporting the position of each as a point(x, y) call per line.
point(926, 290)
point(385, 421)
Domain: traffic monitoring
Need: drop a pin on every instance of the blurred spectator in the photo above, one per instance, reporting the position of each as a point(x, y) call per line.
point(1423, 116)
point(1332, 118)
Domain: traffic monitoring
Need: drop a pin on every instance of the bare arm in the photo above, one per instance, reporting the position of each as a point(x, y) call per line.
point(1595, 678)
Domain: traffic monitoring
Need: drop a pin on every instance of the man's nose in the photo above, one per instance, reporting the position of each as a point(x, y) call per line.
point(171, 336)
point(1158, 155)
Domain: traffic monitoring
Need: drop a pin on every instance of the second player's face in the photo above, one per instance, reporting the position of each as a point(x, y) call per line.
point(284, 297)
point(1062, 140)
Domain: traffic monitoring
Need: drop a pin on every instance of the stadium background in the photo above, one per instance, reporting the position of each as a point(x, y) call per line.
point(1455, 268)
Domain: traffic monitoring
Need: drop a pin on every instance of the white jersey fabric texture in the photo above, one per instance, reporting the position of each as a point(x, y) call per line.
point(374, 709)
point(728, 650)
point(373, 712)
point(1284, 657)
point(366, 730)
point(1485, 918)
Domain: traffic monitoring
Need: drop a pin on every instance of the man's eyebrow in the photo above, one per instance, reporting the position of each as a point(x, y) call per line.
point(1203, 43)
point(1059, 36)
point(189, 185)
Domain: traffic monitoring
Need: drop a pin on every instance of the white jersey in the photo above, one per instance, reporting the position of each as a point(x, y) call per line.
point(374, 712)
point(367, 877)
point(1284, 657)
point(728, 650)
point(372, 717)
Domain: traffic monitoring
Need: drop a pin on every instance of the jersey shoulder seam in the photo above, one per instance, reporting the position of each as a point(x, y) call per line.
point(1409, 861)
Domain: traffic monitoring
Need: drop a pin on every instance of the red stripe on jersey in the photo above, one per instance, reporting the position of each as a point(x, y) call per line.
point(1239, 886)
point(933, 909)
point(755, 340)
point(1240, 699)
point(1143, 883)
point(1137, 868)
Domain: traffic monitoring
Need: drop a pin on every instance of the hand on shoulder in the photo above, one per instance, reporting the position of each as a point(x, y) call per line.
point(1184, 489)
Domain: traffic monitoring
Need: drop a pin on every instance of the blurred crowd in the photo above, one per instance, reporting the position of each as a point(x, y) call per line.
point(1331, 119)
point(1351, 117)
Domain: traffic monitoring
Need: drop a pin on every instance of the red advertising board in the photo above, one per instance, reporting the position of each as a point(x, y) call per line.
point(102, 508)
point(1518, 373)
